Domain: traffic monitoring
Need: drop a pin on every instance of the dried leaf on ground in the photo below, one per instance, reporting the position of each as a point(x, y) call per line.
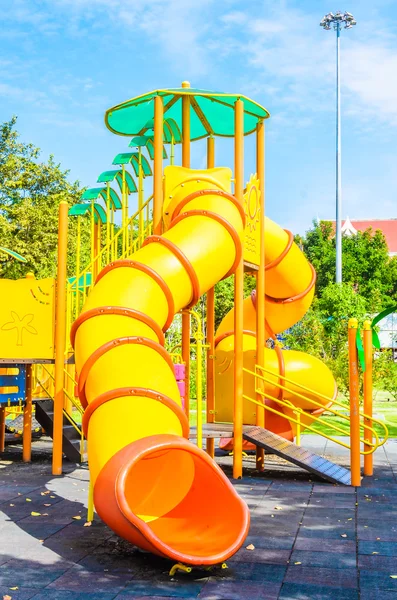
point(344, 535)
point(77, 517)
point(35, 514)
point(88, 524)
point(250, 547)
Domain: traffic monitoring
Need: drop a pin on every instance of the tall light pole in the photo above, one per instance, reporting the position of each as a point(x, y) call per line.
point(337, 20)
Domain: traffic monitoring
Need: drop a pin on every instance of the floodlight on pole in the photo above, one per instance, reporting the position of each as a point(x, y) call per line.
point(336, 21)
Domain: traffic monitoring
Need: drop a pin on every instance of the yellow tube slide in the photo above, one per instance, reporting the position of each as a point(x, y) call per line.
point(151, 485)
point(289, 282)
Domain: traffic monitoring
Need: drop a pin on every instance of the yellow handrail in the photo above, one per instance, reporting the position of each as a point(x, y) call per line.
point(111, 244)
point(299, 412)
point(337, 413)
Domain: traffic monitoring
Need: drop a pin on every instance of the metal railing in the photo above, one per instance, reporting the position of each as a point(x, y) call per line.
point(302, 415)
point(135, 230)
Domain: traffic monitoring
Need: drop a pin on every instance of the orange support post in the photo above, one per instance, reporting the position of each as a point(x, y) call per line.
point(260, 285)
point(2, 428)
point(60, 337)
point(368, 458)
point(354, 405)
point(185, 315)
point(238, 299)
point(211, 330)
point(158, 165)
point(27, 418)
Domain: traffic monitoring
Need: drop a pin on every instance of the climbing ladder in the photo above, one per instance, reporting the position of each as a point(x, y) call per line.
point(73, 446)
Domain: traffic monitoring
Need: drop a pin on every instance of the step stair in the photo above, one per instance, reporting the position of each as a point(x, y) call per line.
point(70, 437)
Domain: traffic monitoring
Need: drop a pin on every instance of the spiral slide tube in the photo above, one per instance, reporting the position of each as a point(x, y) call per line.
point(151, 485)
point(290, 280)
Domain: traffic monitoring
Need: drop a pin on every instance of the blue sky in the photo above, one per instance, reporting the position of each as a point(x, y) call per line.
point(64, 62)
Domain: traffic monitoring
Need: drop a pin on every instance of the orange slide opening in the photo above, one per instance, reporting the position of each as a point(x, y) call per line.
point(171, 493)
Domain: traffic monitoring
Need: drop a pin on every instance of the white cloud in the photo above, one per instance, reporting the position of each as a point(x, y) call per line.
point(370, 77)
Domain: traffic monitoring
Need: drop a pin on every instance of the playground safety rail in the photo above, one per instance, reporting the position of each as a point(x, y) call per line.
point(299, 412)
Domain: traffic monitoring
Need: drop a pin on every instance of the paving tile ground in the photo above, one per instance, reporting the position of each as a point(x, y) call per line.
point(312, 540)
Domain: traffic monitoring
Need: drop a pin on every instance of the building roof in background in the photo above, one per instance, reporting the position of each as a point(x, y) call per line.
point(387, 226)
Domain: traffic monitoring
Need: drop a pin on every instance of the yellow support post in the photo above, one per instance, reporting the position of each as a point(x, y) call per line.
point(238, 300)
point(260, 285)
point(60, 336)
point(92, 240)
point(172, 152)
point(27, 417)
point(78, 258)
point(124, 217)
point(108, 223)
point(158, 165)
point(354, 405)
point(90, 508)
point(368, 458)
point(2, 428)
point(186, 315)
point(199, 383)
point(211, 330)
point(140, 196)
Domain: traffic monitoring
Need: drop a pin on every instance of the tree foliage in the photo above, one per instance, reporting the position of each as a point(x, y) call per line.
point(30, 193)
point(366, 265)
point(323, 330)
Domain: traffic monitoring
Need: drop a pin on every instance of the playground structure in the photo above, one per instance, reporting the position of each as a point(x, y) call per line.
point(197, 227)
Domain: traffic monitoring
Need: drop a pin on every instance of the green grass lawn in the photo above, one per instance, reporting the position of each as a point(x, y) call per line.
point(384, 410)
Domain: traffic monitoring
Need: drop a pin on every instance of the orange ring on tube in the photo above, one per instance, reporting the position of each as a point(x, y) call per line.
point(283, 254)
point(114, 344)
point(136, 392)
point(133, 264)
point(185, 262)
point(231, 332)
point(209, 192)
point(230, 229)
point(297, 296)
point(116, 310)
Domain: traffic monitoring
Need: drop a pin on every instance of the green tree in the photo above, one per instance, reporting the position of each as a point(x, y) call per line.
point(224, 295)
point(323, 330)
point(30, 193)
point(366, 265)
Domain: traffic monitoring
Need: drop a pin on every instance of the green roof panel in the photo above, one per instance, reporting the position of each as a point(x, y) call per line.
point(210, 113)
point(79, 210)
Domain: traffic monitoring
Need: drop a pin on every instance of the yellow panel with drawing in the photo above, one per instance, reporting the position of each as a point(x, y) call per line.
point(251, 253)
point(27, 318)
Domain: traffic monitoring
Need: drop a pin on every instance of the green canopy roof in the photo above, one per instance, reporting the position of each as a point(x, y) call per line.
point(146, 140)
point(13, 254)
point(95, 193)
point(211, 113)
point(117, 176)
point(133, 158)
point(78, 210)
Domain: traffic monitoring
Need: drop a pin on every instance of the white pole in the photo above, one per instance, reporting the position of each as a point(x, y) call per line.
point(338, 165)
